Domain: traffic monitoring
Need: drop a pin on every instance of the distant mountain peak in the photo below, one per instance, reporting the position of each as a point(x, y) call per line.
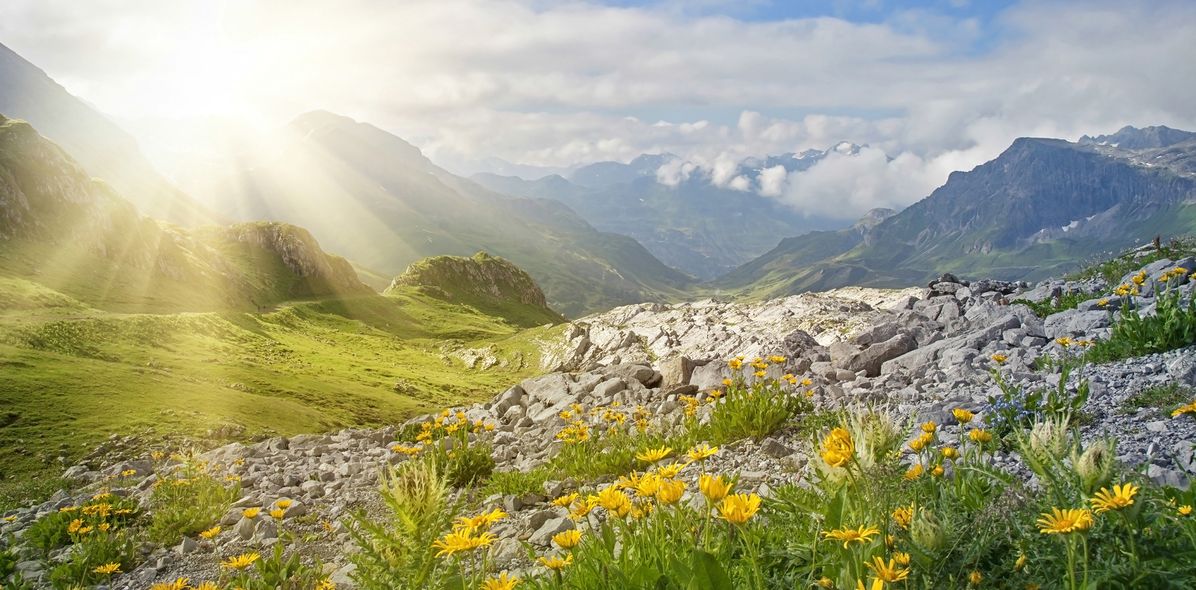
point(1134, 138)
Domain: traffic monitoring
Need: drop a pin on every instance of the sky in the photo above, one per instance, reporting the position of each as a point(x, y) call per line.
point(931, 86)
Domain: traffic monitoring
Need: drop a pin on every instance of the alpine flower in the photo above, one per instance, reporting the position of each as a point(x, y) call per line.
point(1121, 497)
point(1063, 522)
point(739, 508)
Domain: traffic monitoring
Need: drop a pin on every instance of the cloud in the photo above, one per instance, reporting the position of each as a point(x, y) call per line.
point(557, 83)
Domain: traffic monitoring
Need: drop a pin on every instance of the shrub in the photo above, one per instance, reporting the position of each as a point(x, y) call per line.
point(398, 553)
point(275, 572)
point(1014, 409)
point(1161, 398)
point(1172, 326)
point(754, 411)
point(190, 499)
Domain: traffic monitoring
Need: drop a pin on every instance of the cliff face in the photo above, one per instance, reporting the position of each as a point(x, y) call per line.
point(482, 275)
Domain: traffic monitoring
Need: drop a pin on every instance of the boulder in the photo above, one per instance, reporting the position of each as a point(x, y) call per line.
point(872, 358)
point(676, 371)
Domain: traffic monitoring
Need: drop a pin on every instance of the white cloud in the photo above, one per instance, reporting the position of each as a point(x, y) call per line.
point(772, 181)
point(555, 83)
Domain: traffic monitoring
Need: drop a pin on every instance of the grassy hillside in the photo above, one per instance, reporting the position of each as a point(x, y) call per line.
point(74, 374)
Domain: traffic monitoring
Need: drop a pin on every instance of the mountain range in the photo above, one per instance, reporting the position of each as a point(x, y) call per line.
point(1040, 208)
point(87, 214)
point(376, 199)
point(694, 224)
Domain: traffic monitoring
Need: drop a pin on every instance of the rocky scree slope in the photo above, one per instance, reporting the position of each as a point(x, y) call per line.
point(917, 354)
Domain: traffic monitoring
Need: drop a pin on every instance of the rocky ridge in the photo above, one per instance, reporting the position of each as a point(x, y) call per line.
point(916, 354)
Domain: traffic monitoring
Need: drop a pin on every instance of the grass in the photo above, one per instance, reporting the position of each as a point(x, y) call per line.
point(1160, 398)
point(73, 375)
point(1053, 305)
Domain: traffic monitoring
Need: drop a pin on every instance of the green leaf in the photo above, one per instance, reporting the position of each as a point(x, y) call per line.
point(708, 573)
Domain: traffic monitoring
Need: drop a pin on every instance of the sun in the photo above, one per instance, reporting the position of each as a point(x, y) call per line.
point(196, 79)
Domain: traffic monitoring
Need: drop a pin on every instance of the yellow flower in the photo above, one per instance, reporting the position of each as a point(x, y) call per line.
point(1184, 409)
point(975, 578)
point(583, 508)
point(1185, 510)
point(1121, 497)
point(210, 533)
point(555, 563)
point(888, 572)
point(999, 358)
point(284, 504)
point(1139, 278)
point(278, 513)
point(647, 486)
point(877, 584)
point(251, 512)
point(714, 487)
point(937, 471)
point(962, 415)
point(565, 501)
point(127, 473)
point(462, 540)
point(727, 382)
point(980, 436)
point(760, 374)
point(107, 569)
point(701, 452)
point(901, 558)
point(614, 501)
point(950, 453)
point(914, 472)
point(502, 582)
point(837, 448)
point(241, 561)
point(74, 526)
point(670, 491)
point(654, 455)
point(825, 582)
point(479, 522)
point(671, 471)
point(735, 364)
point(776, 359)
point(1020, 563)
point(567, 539)
point(861, 534)
point(1063, 341)
point(177, 584)
point(1103, 302)
point(903, 515)
point(324, 584)
point(739, 508)
point(1062, 522)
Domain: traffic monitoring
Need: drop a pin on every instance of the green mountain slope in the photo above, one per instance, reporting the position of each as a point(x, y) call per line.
point(74, 234)
point(113, 323)
point(376, 199)
point(98, 144)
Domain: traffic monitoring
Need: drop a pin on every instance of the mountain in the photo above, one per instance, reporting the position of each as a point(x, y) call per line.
point(67, 231)
point(773, 273)
point(1131, 138)
point(98, 144)
point(375, 198)
point(1039, 208)
point(694, 225)
point(488, 283)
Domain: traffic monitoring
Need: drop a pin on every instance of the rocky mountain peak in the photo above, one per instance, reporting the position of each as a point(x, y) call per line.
point(1134, 138)
point(481, 276)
